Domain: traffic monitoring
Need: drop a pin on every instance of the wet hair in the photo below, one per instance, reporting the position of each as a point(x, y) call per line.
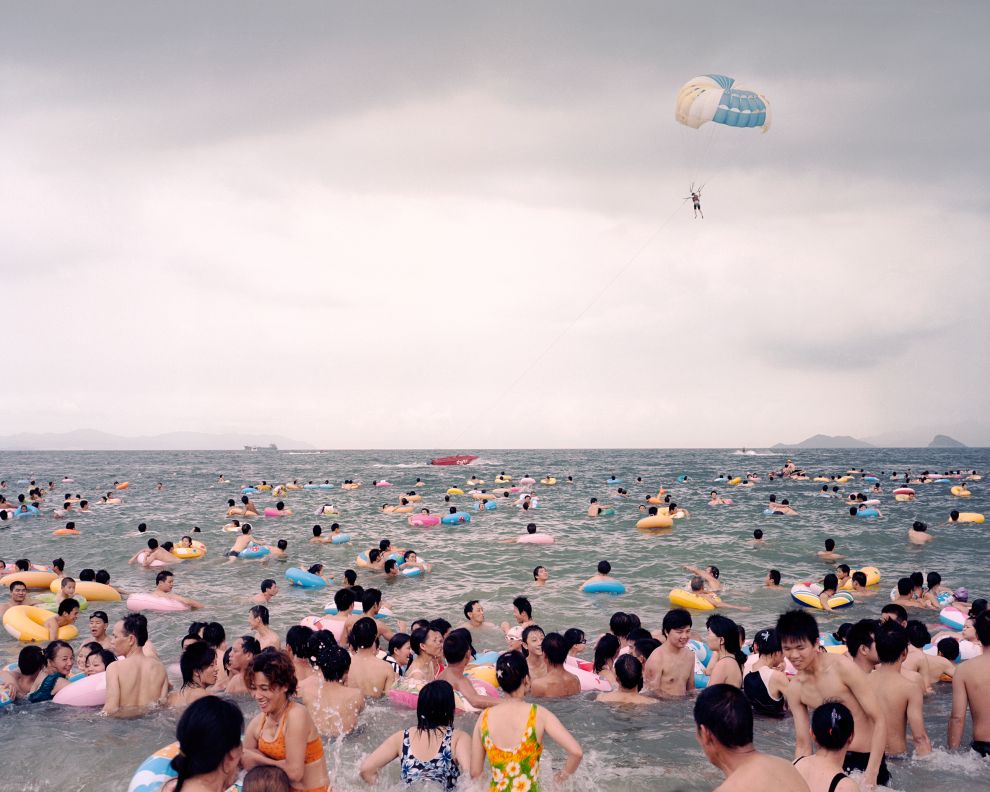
point(555, 648)
point(523, 605)
point(435, 706)
point(197, 656)
point(468, 607)
point(441, 626)
point(66, 606)
point(162, 576)
point(904, 586)
point(317, 530)
point(898, 611)
point(843, 568)
point(917, 580)
point(860, 635)
point(266, 584)
point(30, 660)
point(276, 667)
point(774, 575)
point(891, 642)
point(918, 525)
point(343, 599)
point(917, 634)
point(604, 567)
point(208, 730)
point(727, 715)
point(830, 582)
point(606, 649)
point(728, 631)
point(250, 644)
point(766, 642)
point(370, 598)
point(675, 619)
point(713, 570)
point(934, 579)
point(620, 624)
point(574, 636)
point(105, 655)
point(350, 576)
point(832, 725)
point(697, 583)
point(261, 612)
point(797, 625)
point(334, 662)
point(948, 648)
point(266, 778)
point(281, 544)
point(982, 626)
point(830, 545)
point(397, 641)
point(214, 634)
point(629, 672)
point(644, 647)
point(757, 534)
point(315, 569)
point(511, 669)
point(859, 577)
point(389, 566)
point(87, 575)
point(456, 646)
point(102, 576)
point(51, 651)
point(59, 564)
point(364, 633)
point(296, 639)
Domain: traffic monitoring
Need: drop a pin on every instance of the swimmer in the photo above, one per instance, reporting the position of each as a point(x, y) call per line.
point(918, 533)
point(327, 509)
point(282, 511)
point(457, 652)
point(697, 586)
point(709, 574)
point(136, 680)
point(372, 676)
point(318, 537)
point(832, 728)
point(258, 618)
point(595, 508)
point(557, 681)
point(758, 540)
point(629, 675)
point(830, 585)
point(859, 588)
point(522, 612)
point(971, 688)
point(829, 554)
point(905, 596)
point(602, 575)
point(98, 624)
point(540, 576)
point(772, 580)
point(67, 613)
point(277, 551)
point(333, 705)
point(154, 553)
point(823, 677)
point(669, 671)
point(269, 588)
point(18, 596)
point(242, 542)
point(242, 653)
point(164, 582)
point(900, 699)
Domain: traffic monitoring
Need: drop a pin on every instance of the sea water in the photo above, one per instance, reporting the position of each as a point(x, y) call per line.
point(51, 747)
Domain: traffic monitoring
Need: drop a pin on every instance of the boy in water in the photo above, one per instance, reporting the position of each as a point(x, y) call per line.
point(822, 677)
point(669, 671)
point(901, 699)
point(971, 686)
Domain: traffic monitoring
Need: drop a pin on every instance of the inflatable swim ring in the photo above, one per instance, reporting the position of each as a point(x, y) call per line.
point(144, 554)
point(806, 594)
point(154, 771)
point(960, 492)
point(253, 551)
point(904, 491)
point(140, 602)
point(604, 587)
point(964, 517)
point(423, 520)
point(90, 691)
point(33, 580)
point(331, 610)
point(486, 505)
point(123, 485)
point(536, 538)
point(868, 512)
point(65, 532)
point(340, 538)
point(457, 518)
point(94, 592)
point(682, 598)
point(549, 482)
point(27, 623)
point(656, 521)
point(47, 601)
point(952, 617)
point(304, 579)
point(198, 550)
point(872, 578)
point(455, 491)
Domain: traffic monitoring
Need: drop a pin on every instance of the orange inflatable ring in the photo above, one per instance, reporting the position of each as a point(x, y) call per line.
point(123, 485)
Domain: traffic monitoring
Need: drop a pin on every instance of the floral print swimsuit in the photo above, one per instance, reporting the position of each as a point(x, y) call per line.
point(516, 770)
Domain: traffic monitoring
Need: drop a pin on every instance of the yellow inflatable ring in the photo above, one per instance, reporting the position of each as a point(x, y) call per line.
point(960, 492)
point(27, 623)
point(656, 521)
point(485, 673)
point(964, 517)
point(455, 491)
point(682, 598)
point(806, 594)
point(198, 550)
point(736, 480)
point(872, 577)
point(94, 592)
point(548, 481)
point(33, 580)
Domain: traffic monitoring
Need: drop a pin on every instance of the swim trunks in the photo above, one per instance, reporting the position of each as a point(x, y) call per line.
point(858, 760)
point(982, 747)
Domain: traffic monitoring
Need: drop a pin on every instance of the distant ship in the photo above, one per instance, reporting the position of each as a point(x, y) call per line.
point(461, 459)
point(269, 447)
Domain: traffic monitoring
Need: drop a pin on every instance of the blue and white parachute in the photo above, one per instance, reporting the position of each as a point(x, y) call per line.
point(711, 97)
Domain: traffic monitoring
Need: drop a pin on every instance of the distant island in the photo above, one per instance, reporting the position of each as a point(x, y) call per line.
point(827, 441)
point(944, 441)
point(95, 440)
point(847, 441)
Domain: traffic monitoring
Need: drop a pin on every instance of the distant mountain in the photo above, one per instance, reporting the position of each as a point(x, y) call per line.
point(944, 441)
point(974, 434)
point(827, 441)
point(94, 440)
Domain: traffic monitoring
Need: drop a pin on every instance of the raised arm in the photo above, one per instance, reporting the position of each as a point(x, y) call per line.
point(381, 756)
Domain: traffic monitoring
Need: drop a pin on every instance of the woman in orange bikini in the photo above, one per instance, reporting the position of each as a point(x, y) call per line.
point(284, 734)
point(522, 725)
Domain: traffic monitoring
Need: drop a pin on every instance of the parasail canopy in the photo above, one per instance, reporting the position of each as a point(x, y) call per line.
point(711, 97)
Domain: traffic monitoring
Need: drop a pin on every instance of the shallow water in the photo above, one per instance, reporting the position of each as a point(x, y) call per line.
point(652, 749)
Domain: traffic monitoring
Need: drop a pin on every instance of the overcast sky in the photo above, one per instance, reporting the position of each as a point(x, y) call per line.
point(462, 225)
